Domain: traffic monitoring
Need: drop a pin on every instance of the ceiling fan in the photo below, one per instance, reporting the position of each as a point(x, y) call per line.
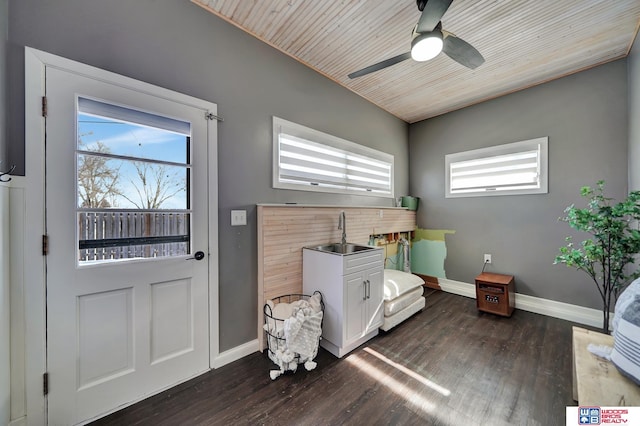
point(429, 39)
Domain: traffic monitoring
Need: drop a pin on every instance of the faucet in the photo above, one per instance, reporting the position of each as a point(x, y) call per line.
point(342, 224)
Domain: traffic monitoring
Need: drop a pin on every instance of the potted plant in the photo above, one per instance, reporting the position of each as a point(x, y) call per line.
point(608, 256)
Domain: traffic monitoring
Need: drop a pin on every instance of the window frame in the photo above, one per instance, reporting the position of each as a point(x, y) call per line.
point(317, 137)
point(541, 144)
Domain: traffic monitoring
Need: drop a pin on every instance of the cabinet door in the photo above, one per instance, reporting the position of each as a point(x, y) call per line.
point(355, 308)
point(374, 305)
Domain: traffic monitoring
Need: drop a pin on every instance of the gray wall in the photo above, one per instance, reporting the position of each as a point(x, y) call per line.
point(177, 45)
point(585, 117)
point(633, 70)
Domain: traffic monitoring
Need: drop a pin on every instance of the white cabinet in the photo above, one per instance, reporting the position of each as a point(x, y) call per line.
point(352, 290)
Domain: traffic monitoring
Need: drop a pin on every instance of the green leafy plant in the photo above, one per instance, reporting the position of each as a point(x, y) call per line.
point(608, 256)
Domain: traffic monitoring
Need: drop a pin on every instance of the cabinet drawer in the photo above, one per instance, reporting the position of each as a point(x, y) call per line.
point(360, 262)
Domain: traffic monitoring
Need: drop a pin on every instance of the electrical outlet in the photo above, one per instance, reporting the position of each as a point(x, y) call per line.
point(487, 258)
point(238, 217)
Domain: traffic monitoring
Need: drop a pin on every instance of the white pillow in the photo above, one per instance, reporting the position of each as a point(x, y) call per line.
point(397, 283)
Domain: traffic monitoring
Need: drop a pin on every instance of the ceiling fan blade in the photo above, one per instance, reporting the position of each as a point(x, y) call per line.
point(380, 65)
point(462, 52)
point(433, 12)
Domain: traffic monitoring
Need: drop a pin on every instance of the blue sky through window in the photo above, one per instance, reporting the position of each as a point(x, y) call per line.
point(115, 137)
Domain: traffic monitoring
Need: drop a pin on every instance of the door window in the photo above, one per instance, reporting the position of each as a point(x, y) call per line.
point(133, 184)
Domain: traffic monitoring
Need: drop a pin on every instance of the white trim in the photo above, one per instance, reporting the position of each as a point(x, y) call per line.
point(34, 275)
point(457, 287)
point(17, 227)
point(566, 311)
point(5, 303)
point(236, 353)
point(214, 246)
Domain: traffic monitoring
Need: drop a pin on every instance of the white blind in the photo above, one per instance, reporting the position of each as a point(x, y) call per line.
point(129, 115)
point(326, 167)
point(502, 171)
point(520, 166)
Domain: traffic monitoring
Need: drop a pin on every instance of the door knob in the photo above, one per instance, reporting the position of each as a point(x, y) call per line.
point(199, 255)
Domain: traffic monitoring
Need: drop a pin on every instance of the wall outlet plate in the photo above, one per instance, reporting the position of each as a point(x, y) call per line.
point(238, 217)
point(487, 258)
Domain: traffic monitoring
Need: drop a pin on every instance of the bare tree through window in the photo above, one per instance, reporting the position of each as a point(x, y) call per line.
point(97, 179)
point(156, 184)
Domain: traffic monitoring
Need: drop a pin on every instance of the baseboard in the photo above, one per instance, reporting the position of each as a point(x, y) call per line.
point(457, 287)
point(551, 308)
point(236, 353)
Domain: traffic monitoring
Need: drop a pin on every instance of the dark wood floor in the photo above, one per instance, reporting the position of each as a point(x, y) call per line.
point(448, 365)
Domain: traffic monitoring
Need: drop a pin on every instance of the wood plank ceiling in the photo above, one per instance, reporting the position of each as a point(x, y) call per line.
point(524, 43)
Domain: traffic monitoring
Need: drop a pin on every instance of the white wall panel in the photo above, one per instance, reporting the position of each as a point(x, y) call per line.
point(5, 312)
point(171, 319)
point(17, 229)
point(105, 339)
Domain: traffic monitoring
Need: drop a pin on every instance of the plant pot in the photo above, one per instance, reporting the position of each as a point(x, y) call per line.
point(410, 203)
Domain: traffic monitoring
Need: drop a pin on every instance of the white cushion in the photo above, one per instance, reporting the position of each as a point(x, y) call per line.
point(399, 303)
point(397, 283)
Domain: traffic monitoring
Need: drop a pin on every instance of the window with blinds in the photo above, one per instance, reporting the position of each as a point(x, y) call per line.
point(510, 169)
point(306, 159)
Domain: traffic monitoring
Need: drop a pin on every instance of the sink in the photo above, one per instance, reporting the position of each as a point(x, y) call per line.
point(339, 248)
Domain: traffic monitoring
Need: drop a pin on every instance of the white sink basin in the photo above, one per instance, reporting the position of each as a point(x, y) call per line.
point(341, 249)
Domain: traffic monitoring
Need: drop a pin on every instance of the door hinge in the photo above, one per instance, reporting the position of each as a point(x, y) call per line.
point(45, 384)
point(44, 106)
point(45, 245)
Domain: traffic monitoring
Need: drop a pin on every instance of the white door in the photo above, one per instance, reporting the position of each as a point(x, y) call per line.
point(127, 224)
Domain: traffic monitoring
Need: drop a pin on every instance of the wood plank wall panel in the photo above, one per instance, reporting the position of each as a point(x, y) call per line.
point(283, 230)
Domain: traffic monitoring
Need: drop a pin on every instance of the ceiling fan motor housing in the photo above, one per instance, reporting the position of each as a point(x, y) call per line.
point(425, 46)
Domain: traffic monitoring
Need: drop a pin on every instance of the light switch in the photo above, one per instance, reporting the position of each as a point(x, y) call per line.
point(238, 217)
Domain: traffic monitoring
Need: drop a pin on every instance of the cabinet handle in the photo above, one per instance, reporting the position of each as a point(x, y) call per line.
point(364, 287)
point(368, 289)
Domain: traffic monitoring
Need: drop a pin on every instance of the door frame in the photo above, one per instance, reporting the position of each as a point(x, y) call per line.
point(36, 62)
